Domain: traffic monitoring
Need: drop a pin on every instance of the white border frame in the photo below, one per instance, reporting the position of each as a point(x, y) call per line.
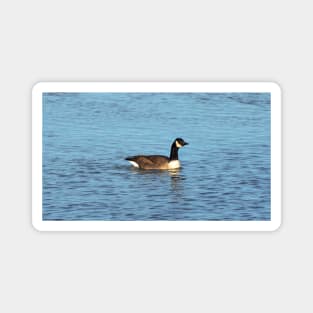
point(224, 87)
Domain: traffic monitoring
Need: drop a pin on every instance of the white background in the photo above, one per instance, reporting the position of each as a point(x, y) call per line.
point(155, 41)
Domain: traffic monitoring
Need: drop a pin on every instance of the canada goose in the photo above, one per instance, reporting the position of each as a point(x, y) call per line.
point(159, 162)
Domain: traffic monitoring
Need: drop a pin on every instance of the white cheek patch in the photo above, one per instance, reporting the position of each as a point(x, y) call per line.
point(178, 145)
point(134, 163)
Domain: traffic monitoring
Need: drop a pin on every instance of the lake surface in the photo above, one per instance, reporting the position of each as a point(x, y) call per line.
point(225, 174)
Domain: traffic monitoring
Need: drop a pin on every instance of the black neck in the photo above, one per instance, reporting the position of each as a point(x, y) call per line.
point(174, 152)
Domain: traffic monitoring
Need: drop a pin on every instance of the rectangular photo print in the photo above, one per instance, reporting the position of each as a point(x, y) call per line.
point(156, 157)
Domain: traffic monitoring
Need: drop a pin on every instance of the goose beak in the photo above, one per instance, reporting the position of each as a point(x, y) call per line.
point(186, 143)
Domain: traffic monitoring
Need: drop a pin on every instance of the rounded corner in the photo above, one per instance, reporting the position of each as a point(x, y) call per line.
point(36, 226)
point(276, 87)
point(37, 87)
point(276, 226)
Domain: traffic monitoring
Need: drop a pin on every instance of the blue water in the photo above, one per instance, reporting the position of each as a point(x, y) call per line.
point(225, 172)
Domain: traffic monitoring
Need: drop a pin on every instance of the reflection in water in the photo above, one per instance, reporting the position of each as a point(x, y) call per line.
point(173, 178)
point(177, 180)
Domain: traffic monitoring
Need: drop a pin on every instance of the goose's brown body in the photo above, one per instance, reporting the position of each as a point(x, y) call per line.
point(152, 162)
